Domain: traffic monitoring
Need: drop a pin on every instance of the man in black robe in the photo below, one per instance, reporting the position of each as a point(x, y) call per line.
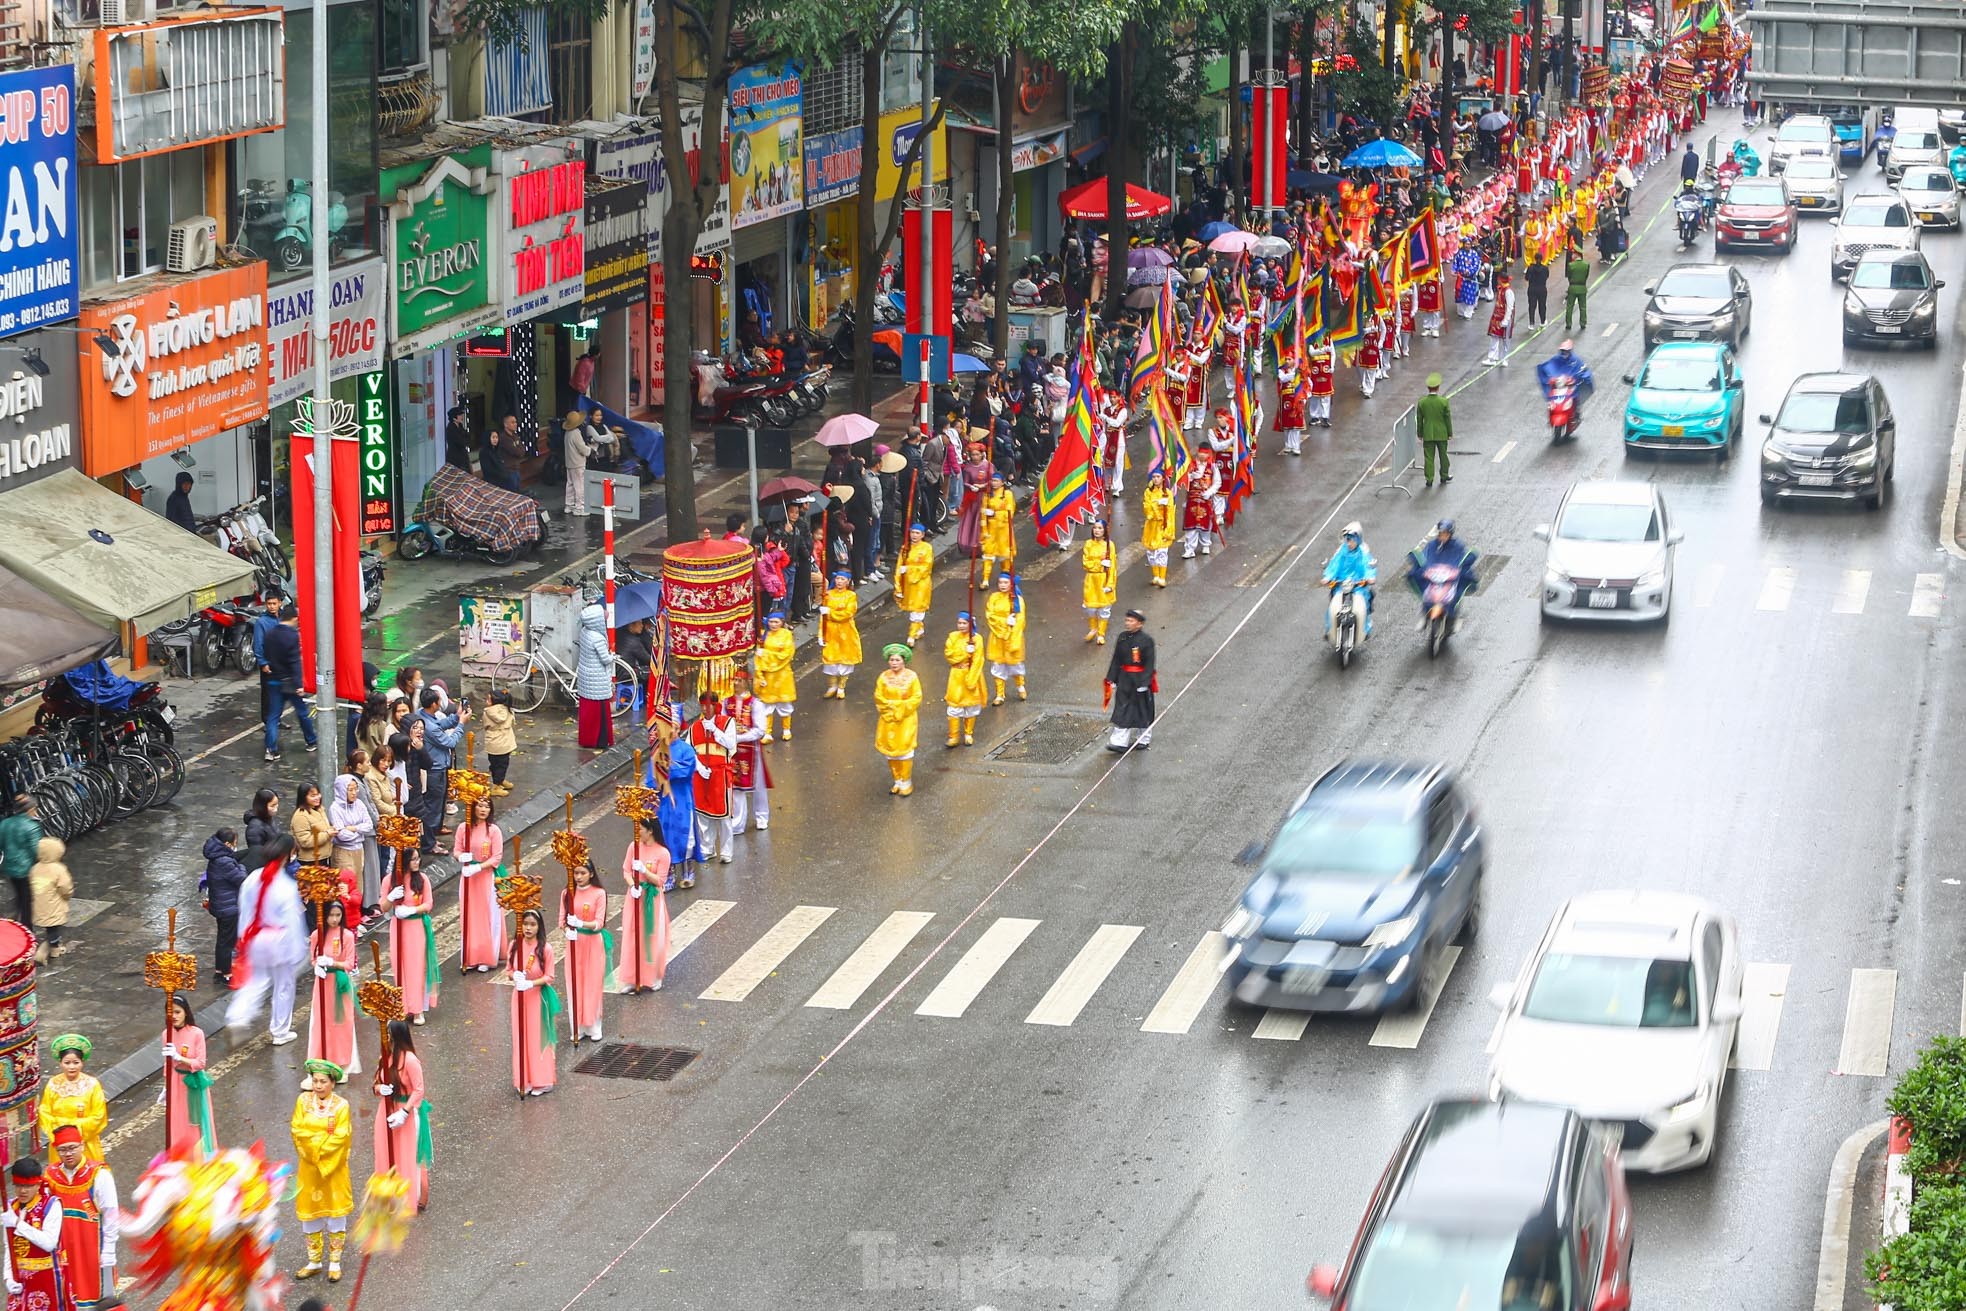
point(1131, 684)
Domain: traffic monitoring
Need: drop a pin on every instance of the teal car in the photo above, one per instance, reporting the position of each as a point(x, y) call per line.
point(1689, 396)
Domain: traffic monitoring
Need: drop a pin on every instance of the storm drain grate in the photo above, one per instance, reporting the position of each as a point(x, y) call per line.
point(1053, 738)
point(626, 1060)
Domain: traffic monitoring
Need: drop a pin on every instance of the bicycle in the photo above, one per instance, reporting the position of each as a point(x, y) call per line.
point(524, 676)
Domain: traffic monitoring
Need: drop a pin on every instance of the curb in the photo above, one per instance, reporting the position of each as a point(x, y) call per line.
point(1839, 1201)
point(148, 1061)
point(1949, 515)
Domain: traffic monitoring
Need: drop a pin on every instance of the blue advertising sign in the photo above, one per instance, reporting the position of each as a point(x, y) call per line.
point(832, 167)
point(39, 240)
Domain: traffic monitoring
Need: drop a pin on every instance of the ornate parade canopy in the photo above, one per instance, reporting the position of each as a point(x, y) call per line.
point(709, 597)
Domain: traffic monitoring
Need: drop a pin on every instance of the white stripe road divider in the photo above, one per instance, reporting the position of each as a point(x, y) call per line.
point(968, 977)
point(767, 954)
point(693, 921)
point(1070, 992)
point(1404, 1030)
point(1503, 454)
point(1776, 589)
point(1609, 328)
point(1850, 595)
point(1176, 1010)
point(858, 972)
point(1927, 591)
point(1282, 1026)
point(1763, 988)
point(1866, 1048)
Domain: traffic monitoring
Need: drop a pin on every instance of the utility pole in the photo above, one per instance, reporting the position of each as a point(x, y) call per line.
point(1273, 129)
point(326, 760)
point(924, 287)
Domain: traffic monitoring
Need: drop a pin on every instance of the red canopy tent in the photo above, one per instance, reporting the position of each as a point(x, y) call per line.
point(1088, 201)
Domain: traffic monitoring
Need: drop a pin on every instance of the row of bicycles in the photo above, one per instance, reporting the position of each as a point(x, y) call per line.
point(100, 750)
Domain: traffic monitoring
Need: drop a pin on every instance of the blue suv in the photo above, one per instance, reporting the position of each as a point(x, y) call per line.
point(1373, 872)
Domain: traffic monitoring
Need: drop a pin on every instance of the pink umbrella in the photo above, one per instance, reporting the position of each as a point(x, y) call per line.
point(1235, 243)
point(846, 429)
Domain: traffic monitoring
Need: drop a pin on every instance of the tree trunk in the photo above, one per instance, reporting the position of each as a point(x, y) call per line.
point(680, 224)
point(1004, 70)
point(867, 258)
point(1119, 80)
point(1388, 20)
point(1536, 52)
point(1447, 89)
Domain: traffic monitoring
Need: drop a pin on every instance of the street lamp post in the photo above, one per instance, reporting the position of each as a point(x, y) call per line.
point(327, 759)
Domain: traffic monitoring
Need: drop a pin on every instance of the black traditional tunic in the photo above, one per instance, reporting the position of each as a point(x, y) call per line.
point(1132, 675)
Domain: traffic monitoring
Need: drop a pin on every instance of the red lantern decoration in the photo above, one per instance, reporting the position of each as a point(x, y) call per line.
point(710, 613)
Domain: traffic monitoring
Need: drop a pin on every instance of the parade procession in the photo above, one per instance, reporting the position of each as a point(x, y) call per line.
point(982, 707)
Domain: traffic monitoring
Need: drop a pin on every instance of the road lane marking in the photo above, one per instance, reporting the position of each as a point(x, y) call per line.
point(1074, 988)
point(1404, 1030)
point(1282, 1026)
point(970, 975)
point(1926, 594)
point(1866, 1046)
point(1850, 595)
point(1762, 989)
point(1776, 589)
point(1609, 329)
point(858, 972)
point(766, 954)
point(1503, 454)
point(1176, 1010)
point(695, 919)
point(1709, 585)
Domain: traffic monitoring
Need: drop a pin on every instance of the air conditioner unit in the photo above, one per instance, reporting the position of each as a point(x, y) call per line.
point(194, 244)
point(123, 13)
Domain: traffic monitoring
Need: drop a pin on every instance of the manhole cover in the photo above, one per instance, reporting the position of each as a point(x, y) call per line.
point(1053, 738)
point(625, 1060)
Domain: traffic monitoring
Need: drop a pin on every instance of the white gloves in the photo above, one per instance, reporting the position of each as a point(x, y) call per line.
point(635, 891)
point(640, 866)
point(320, 972)
point(13, 1285)
point(469, 868)
point(395, 894)
point(521, 983)
point(702, 770)
point(385, 1090)
point(170, 1051)
point(405, 912)
point(396, 1120)
point(7, 1221)
point(324, 962)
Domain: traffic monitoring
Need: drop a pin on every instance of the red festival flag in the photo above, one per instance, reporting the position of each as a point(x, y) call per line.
point(1067, 490)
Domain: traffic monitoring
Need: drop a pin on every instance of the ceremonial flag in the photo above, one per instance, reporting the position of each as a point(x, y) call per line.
point(1150, 357)
point(1164, 436)
point(1684, 27)
point(1310, 312)
point(1710, 19)
point(1293, 293)
point(1350, 330)
point(1242, 422)
point(1208, 317)
point(1381, 278)
point(1422, 245)
point(1067, 490)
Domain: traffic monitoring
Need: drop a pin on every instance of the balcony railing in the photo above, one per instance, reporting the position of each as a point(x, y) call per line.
point(187, 81)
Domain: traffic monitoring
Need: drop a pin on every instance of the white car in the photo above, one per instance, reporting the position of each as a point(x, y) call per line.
point(1626, 1013)
point(1869, 222)
point(1610, 555)
point(1817, 185)
point(1805, 136)
point(1931, 195)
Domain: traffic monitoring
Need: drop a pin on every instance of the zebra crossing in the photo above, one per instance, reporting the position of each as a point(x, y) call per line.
point(1783, 589)
point(1002, 955)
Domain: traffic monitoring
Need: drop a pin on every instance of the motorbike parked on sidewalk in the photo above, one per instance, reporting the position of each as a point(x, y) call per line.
point(464, 515)
point(1345, 621)
point(372, 573)
point(225, 639)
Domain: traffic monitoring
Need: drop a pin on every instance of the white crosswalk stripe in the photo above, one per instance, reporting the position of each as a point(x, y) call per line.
point(1708, 587)
point(1867, 1015)
point(766, 954)
point(1763, 988)
point(1927, 591)
point(1776, 589)
point(1503, 454)
point(860, 970)
point(690, 923)
point(1070, 992)
point(1281, 1025)
point(968, 977)
point(1176, 1010)
point(1850, 596)
point(1404, 1030)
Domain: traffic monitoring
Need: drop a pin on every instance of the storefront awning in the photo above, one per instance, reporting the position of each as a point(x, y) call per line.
point(109, 559)
point(42, 636)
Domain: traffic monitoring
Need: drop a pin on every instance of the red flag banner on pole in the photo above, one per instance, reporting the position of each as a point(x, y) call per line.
point(347, 492)
point(1067, 489)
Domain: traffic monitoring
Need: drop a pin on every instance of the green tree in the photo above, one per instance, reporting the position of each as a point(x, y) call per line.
point(1457, 20)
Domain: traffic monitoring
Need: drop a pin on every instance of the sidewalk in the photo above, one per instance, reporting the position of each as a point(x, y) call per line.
point(130, 875)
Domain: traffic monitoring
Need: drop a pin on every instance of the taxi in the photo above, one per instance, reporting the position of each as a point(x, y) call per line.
point(1689, 396)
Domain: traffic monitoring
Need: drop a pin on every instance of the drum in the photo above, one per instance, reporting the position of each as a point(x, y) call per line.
point(710, 610)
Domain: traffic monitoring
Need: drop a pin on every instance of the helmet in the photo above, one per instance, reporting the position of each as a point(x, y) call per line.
point(1566, 347)
point(1445, 526)
point(1354, 529)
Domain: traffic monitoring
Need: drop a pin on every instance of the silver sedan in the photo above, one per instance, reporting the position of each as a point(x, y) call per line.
point(1610, 554)
point(1817, 185)
point(1932, 196)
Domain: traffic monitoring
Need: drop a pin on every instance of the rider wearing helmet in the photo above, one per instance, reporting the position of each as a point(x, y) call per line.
point(1566, 363)
point(1443, 547)
point(1352, 562)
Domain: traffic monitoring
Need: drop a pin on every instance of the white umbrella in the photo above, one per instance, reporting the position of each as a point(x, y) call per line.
point(1271, 247)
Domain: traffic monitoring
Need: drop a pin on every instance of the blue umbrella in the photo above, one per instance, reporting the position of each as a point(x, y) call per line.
point(1382, 154)
point(962, 363)
point(634, 601)
point(1210, 231)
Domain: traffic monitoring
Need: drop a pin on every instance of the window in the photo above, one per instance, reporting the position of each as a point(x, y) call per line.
point(131, 206)
point(1440, 825)
point(1710, 961)
point(402, 37)
point(1620, 992)
point(901, 65)
point(1323, 839)
point(569, 55)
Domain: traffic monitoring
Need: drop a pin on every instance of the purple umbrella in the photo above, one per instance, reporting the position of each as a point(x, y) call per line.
point(1148, 257)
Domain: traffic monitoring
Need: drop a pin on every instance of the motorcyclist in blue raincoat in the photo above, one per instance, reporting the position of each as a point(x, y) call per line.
point(1352, 562)
point(1566, 363)
point(1443, 547)
point(1956, 162)
point(1749, 161)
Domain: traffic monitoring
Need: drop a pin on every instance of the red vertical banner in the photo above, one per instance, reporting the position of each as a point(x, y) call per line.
point(1269, 146)
point(347, 493)
point(940, 275)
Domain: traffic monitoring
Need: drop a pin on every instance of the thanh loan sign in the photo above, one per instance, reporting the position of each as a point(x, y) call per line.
point(38, 237)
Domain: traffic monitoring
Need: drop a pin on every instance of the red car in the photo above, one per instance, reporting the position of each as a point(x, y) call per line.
point(1756, 212)
point(1493, 1204)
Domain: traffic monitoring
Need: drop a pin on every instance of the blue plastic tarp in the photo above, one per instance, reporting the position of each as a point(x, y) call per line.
point(645, 439)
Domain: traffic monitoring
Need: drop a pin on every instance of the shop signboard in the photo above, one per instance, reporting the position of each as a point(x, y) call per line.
point(357, 304)
point(172, 366)
point(489, 628)
point(441, 250)
point(543, 201)
point(833, 166)
point(644, 49)
point(39, 411)
point(617, 246)
point(767, 157)
point(378, 457)
point(899, 128)
point(1027, 155)
point(638, 155)
point(38, 232)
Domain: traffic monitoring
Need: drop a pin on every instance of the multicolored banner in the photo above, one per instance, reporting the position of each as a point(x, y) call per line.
point(1067, 491)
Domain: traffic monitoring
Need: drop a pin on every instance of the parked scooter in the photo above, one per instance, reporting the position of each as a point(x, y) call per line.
point(1345, 627)
point(226, 636)
point(720, 398)
point(372, 572)
point(293, 246)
